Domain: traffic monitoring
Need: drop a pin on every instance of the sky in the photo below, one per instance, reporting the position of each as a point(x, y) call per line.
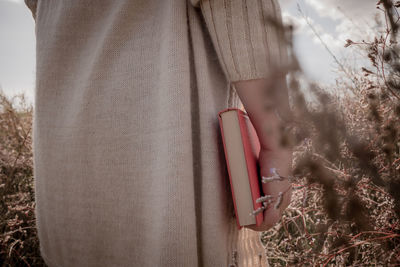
point(334, 21)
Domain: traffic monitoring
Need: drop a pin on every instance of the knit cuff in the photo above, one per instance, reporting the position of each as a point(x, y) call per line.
point(248, 44)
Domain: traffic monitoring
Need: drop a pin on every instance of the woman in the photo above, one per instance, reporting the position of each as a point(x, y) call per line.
point(128, 160)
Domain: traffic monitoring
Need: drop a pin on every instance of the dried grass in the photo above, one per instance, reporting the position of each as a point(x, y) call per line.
point(346, 203)
point(345, 211)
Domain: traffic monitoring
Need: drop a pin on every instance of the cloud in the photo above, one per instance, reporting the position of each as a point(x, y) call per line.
point(354, 18)
point(16, 1)
point(301, 27)
point(338, 9)
point(335, 21)
point(325, 8)
point(298, 23)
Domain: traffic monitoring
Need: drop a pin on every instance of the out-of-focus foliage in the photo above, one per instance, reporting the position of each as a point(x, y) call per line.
point(345, 211)
point(18, 237)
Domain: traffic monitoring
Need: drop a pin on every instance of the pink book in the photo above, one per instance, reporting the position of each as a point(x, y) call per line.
point(242, 148)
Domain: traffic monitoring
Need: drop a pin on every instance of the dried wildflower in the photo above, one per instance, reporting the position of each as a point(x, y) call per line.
point(348, 43)
point(349, 167)
point(257, 211)
point(264, 198)
point(275, 177)
point(278, 201)
point(367, 72)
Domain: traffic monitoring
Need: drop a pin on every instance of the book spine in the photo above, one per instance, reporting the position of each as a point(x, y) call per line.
point(251, 147)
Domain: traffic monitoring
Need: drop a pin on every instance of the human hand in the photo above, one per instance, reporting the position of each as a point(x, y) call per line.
point(268, 122)
point(281, 160)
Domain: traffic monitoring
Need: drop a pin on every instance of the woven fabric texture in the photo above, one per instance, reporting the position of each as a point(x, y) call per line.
point(129, 164)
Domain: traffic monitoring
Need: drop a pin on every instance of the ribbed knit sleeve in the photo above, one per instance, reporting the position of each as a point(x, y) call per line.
point(248, 44)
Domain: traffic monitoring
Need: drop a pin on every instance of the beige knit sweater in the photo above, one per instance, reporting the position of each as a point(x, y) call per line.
point(129, 165)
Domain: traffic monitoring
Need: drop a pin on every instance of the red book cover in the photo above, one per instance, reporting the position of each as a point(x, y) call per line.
point(251, 147)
